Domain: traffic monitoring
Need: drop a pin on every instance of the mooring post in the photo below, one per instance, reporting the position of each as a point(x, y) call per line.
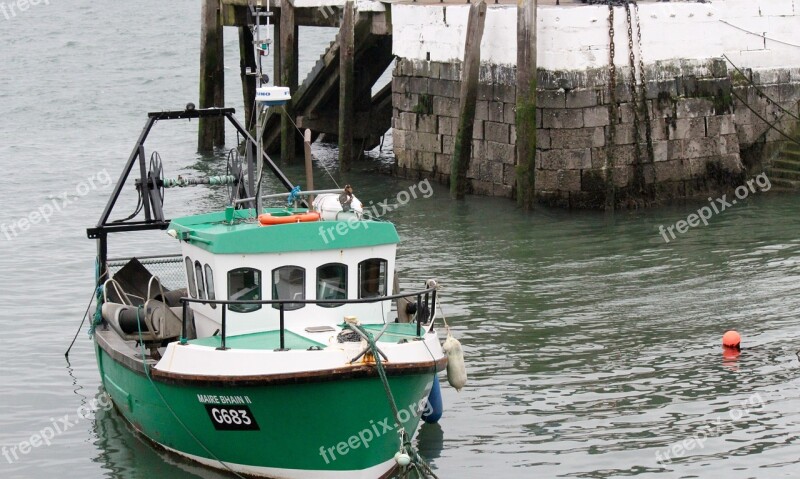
point(526, 103)
point(211, 131)
point(288, 45)
point(469, 96)
point(346, 86)
point(247, 59)
point(309, 164)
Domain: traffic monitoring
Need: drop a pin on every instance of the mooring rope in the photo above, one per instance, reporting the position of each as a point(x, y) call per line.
point(417, 462)
point(95, 293)
point(759, 35)
point(761, 93)
point(771, 125)
point(283, 107)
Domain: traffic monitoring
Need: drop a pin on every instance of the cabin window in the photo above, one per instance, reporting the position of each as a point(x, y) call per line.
point(289, 282)
point(190, 277)
point(332, 283)
point(244, 284)
point(212, 295)
point(201, 288)
point(372, 278)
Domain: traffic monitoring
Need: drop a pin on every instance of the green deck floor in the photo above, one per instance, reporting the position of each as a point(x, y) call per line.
point(395, 332)
point(263, 340)
point(271, 339)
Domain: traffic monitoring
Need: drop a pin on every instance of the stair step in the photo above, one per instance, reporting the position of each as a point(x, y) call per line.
point(791, 152)
point(786, 164)
point(793, 175)
point(783, 183)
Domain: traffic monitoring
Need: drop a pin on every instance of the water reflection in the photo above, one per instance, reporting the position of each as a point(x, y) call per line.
point(430, 441)
point(125, 454)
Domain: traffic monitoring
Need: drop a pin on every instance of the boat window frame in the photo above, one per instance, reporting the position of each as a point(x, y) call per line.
point(346, 284)
point(385, 284)
point(201, 283)
point(211, 291)
point(274, 291)
point(245, 308)
point(190, 275)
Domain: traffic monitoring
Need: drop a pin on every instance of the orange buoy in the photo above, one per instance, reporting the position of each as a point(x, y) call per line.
point(267, 219)
point(731, 339)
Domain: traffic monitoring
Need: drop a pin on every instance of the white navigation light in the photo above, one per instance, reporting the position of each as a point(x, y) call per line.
point(273, 95)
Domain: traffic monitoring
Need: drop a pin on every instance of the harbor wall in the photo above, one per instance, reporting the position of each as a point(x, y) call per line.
point(694, 125)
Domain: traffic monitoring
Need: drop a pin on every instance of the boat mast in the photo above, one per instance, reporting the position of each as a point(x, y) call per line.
point(262, 49)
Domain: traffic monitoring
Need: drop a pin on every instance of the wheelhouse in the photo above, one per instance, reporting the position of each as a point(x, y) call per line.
point(241, 260)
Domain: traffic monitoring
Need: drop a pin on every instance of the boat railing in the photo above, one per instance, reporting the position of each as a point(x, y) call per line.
point(425, 311)
point(169, 268)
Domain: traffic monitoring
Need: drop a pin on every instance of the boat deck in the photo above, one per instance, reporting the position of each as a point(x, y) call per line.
point(395, 332)
point(261, 340)
point(271, 339)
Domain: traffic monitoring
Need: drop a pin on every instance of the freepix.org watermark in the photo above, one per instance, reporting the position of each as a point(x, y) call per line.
point(714, 428)
point(376, 211)
point(374, 431)
point(57, 427)
point(56, 205)
point(716, 206)
point(10, 10)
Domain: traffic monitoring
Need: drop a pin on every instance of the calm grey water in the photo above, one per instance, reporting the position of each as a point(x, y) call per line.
point(592, 346)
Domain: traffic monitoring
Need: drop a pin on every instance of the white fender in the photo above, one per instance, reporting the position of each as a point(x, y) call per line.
point(456, 370)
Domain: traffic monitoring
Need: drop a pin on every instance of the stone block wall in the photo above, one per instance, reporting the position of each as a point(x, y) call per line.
point(425, 122)
point(762, 98)
point(674, 136)
point(680, 137)
point(702, 124)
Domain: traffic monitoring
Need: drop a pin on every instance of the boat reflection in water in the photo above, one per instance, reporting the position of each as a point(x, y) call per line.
point(123, 453)
point(430, 441)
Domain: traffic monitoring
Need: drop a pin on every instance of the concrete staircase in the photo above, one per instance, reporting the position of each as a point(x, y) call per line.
point(316, 101)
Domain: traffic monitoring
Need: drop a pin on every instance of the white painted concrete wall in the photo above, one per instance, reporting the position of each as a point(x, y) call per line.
point(328, 5)
point(577, 38)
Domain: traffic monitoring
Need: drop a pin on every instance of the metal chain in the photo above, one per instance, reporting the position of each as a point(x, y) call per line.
point(648, 126)
point(637, 162)
point(612, 112)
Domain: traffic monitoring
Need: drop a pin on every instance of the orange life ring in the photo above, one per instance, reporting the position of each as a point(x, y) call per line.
point(267, 219)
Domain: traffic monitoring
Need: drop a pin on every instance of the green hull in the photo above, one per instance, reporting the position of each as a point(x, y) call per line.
point(331, 426)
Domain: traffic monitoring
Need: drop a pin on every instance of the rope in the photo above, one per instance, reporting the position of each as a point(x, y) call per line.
point(417, 463)
point(98, 312)
point(293, 195)
point(283, 107)
point(771, 125)
point(770, 101)
point(147, 373)
point(759, 35)
point(95, 292)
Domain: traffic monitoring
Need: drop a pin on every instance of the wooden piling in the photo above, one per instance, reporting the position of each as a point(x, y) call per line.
point(469, 96)
point(309, 164)
point(346, 86)
point(247, 59)
point(526, 103)
point(289, 78)
point(211, 131)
